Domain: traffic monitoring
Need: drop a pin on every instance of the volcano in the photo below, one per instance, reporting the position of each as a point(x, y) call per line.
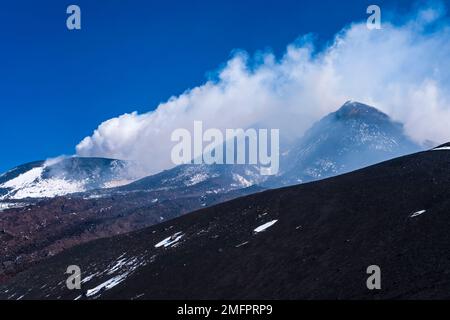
point(310, 241)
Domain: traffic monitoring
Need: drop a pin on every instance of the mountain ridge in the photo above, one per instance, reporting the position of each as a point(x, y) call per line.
point(50, 178)
point(310, 241)
point(39, 228)
point(359, 130)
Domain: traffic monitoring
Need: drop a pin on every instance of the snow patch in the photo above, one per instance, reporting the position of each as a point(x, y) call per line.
point(265, 226)
point(89, 278)
point(242, 181)
point(170, 241)
point(124, 266)
point(111, 283)
point(24, 179)
point(442, 148)
point(94, 196)
point(117, 183)
point(11, 205)
point(241, 244)
point(196, 179)
point(418, 213)
point(130, 264)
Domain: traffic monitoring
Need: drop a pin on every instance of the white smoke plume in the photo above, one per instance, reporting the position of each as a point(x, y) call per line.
point(402, 69)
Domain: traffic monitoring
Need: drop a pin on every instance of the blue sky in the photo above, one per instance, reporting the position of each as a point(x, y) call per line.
point(57, 85)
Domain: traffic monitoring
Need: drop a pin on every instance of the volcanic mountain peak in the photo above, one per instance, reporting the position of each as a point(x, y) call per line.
point(353, 137)
point(354, 109)
point(46, 179)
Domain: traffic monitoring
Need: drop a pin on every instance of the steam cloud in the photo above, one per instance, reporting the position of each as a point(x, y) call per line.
point(402, 69)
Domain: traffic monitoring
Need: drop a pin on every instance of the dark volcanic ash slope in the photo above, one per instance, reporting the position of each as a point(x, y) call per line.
point(317, 241)
point(43, 229)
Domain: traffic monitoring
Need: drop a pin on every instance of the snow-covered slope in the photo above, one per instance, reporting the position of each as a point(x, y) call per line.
point(69, 175)
point(210, 178)
point(31, 185)
point(353, 137)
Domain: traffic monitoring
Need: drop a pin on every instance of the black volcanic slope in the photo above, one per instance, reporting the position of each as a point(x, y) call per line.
point(326, 235)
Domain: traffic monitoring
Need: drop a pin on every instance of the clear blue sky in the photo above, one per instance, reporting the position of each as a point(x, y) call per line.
point(57, 86)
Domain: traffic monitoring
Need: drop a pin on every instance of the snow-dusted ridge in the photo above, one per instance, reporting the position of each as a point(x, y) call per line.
point(63, 176)
point(31, 184)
